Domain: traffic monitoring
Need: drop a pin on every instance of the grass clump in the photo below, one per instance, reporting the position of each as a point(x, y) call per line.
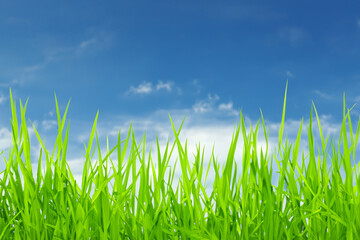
point(134, 197)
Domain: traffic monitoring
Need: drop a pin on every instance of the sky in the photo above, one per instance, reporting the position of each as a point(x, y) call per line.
point(142, 60)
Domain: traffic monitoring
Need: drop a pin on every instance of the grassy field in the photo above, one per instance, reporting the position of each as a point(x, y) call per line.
point(133, 197)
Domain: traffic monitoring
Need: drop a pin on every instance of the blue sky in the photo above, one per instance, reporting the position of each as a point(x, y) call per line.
point(140, 60)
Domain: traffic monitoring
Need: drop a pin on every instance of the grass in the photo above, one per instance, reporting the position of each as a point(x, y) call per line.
point(134, 197)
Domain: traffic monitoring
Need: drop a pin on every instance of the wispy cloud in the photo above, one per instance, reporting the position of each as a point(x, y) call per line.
point(87, 43)
point(162, 85)
point(25, 74)
point(73, 51)
point(205, 105)
point(33, 68)
point(226, 106)
point(147, 87)
point(62, 53)
point(48, 124)
point(142, 88)
point(229, 108)
point(199, 127)
point(358, 22)
point(209, 105)
point(357, 99)
point(211, 130)
point(289, 74)
point(323, 95)
point(5, 138)
point(196, 83)
point(8, 84)
point(2, 98)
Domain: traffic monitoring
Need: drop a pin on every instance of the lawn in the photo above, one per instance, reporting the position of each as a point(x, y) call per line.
point(134, 197)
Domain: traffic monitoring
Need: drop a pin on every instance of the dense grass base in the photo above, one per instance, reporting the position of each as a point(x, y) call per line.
point(134, 198)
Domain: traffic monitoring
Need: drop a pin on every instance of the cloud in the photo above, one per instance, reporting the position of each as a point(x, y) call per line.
point(142, 88)
point(87, 43)
point(22, 75)
point(27, 74)
point(88, 46)
point(323, 95)
point(206, 105)
point(34, 67)
point(357, 99)
point(48, 124)
point(5, 138)
point(197, 85)
point(22, 79)
point(2, 98)
point(162, 85)
point(61, 53)
point(358, 22)
point(204, 127)
point(227, 106)
point(147, 88)
point(210, 131)
point(289, 74)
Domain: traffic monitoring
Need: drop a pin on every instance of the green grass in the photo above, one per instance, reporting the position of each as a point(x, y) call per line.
point(134, 197)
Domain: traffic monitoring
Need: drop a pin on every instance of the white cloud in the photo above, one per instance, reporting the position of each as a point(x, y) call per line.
point(2, 98)
point(87, 43)
point(34, 67)
point(323, 95)
point(289, 74)
point(197, 85)
point(58, 53)
point(201, 107)
point(206, 105)
point(48, 124)
point(358, 22)
point(229, 108)
point(162, 85)
point(142, 88)
point(5, 138)
point(25, 75)
point(207, 129)
point(147, 87)
point(226, 106)
point(357, 99)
